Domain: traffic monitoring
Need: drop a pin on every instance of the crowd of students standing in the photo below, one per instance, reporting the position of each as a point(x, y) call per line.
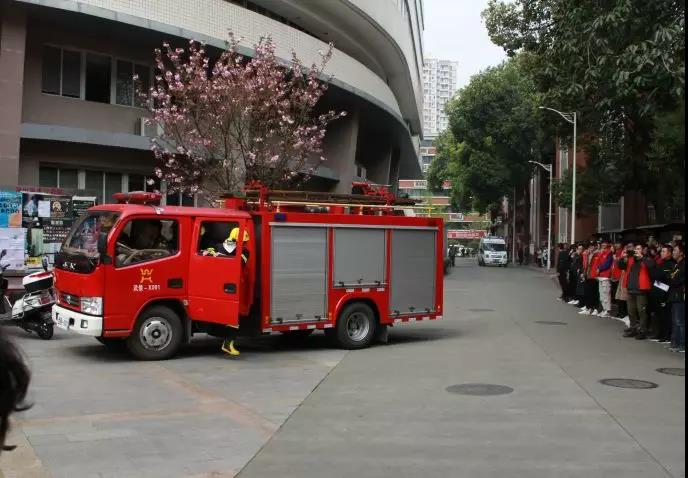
point(642, 284)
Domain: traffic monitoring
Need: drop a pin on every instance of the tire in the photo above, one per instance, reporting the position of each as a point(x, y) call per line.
point(112, 343)
point(355, 327)
point(46, 331)
point(157, 335)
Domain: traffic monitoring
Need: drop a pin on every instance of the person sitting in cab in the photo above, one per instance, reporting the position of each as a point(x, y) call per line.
point(228, 248)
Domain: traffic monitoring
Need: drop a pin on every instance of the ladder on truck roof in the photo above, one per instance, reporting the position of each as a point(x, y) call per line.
point(371, 200)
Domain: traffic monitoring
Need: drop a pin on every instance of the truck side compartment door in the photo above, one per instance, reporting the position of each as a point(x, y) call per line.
point(215, 272)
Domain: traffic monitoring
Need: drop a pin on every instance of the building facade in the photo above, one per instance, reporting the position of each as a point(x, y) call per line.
point(439, 86)
point(428, 151)
point(69, 118)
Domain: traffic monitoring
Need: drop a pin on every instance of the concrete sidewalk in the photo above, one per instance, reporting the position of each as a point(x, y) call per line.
point(386, 411)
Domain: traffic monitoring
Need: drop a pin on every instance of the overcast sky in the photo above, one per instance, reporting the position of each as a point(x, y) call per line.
point(455, 31)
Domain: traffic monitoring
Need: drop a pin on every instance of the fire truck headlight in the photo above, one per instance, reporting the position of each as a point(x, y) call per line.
point(92, 305)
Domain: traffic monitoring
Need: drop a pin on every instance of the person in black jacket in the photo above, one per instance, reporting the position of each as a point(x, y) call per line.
point(578, 277)
point(660, 322)
point(14, 383)
point(563, 265)
point(677, 299)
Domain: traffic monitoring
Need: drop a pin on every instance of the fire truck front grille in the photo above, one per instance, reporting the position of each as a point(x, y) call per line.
point(70, 300)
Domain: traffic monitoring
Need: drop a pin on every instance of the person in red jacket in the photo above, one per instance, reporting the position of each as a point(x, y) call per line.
point(591, 289)
point(617, 251)
point(637, 282)
point(605, 260)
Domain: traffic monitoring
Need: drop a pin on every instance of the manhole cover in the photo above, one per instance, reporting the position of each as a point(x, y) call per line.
point(550, 322)
point(479, 389)
point(480, 310)
point(681, 372)
point(628, 383)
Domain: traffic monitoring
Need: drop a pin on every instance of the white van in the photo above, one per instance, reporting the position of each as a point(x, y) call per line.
point(492, 251)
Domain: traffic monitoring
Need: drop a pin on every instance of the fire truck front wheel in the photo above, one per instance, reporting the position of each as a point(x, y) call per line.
point(157, 335)
point(355, 327)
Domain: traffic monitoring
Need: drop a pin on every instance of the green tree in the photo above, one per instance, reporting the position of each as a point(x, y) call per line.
point(496, 124)
point(618, 63)
point(445, 152)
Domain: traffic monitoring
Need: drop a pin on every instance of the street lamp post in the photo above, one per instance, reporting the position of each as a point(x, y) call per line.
point(548, 168)
point(571, 118)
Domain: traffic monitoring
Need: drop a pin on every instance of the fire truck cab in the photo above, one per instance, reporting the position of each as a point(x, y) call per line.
point(153, 276)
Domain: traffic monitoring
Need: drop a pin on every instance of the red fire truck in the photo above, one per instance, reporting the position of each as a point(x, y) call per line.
point(152, 276)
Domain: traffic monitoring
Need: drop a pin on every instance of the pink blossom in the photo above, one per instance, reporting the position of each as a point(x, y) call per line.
point(244, 119)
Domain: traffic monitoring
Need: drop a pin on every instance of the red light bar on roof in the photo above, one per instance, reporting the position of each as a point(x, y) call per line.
point(138, 197)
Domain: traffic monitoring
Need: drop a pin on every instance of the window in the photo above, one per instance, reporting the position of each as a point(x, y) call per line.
point(137, 182)
point(84, 237)
point(52, 177)
point(144, 240)
point(214, 239)
point(179, 199)
point(47, 177)
point(113, 184)
point(51, 70)
point(71, 74)
point(94, 185)
point(61, 73)
point(88, 76)
point(68, 178)
point(97, 78)
point(126, 90)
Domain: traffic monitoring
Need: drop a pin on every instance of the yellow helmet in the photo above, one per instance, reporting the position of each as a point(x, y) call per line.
point(234, 235)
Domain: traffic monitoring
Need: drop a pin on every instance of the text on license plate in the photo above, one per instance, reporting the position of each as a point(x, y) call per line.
point(62, 321)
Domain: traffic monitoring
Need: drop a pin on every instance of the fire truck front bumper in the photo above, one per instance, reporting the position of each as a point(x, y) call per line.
point(77, 322)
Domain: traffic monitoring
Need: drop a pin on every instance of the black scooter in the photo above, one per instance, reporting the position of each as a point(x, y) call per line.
point(33, 311)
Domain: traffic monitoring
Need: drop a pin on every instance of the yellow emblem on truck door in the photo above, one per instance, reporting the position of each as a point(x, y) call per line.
point(146, 276)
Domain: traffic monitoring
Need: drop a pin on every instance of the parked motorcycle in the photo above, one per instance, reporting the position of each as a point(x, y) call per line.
point(32, 311)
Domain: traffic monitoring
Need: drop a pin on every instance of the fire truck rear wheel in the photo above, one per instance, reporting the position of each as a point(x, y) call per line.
point(355, 327)
point(157, 335)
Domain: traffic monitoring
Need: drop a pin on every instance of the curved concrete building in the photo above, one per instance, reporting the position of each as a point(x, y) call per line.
point(68, 118)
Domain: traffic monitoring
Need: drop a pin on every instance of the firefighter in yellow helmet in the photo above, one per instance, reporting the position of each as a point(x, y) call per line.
point(229, 246)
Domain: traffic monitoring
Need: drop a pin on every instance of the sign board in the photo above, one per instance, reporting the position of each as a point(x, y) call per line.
point(12, 239)
point(455, 217)
point(466, 233)
point(80, 204)
point(10, 209)
point(495, 240)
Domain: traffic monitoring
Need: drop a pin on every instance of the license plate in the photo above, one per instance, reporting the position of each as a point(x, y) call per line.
point(62, 321)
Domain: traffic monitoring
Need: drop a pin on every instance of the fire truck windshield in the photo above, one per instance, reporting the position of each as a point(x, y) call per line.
point(83, 238)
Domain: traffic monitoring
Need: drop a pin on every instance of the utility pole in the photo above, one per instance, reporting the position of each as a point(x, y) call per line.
point(548, 167)
point(570, 118)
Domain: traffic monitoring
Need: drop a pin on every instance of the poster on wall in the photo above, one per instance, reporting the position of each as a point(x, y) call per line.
point(12, 240)
point(10, 209)
point(60, 207)
point(80, 204)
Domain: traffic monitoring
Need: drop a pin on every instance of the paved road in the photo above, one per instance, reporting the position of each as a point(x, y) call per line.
point(381, 412)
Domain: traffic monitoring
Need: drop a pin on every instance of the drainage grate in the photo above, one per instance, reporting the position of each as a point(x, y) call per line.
point(479, 389)
point(681, 372)
point(550, 322)
point(628, 383)
point(480, 310)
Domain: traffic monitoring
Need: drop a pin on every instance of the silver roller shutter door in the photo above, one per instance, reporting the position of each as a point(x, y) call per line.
point(299, 273)
point(413, 271)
